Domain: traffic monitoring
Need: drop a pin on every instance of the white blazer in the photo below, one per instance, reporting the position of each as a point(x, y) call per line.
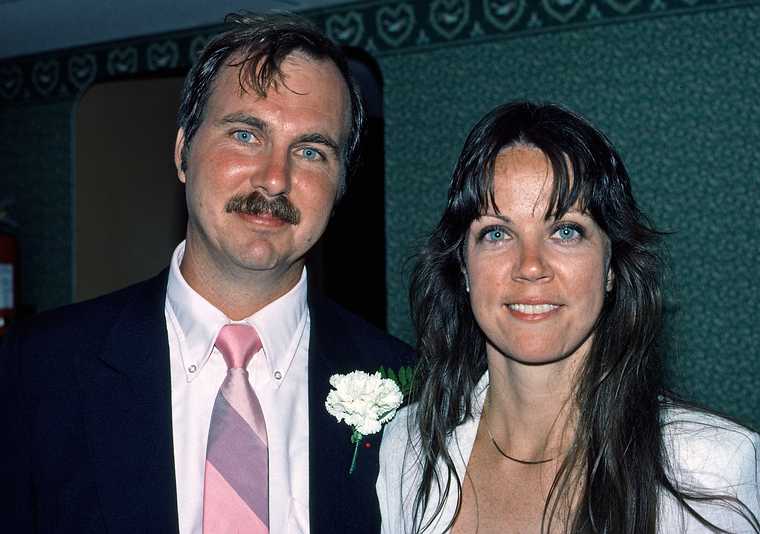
point(707, 452)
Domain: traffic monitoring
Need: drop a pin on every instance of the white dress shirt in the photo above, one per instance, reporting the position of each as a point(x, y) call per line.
point(705, 451)
point(278, 375)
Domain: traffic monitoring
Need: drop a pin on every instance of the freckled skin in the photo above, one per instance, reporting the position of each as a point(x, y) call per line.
point(531, 260)
point(231, 258)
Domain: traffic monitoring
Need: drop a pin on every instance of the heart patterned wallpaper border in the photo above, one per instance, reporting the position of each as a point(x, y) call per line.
point(381, 27)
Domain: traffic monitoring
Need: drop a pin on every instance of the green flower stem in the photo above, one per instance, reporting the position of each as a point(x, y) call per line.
point(356, 439)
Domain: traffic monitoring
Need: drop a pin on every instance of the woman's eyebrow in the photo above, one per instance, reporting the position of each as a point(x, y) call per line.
point(499, 216)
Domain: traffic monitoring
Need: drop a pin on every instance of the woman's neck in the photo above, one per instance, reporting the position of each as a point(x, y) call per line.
point(529, 408)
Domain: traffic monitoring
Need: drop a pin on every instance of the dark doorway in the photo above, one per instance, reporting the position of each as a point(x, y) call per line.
point(349, 263)
point(130, 206)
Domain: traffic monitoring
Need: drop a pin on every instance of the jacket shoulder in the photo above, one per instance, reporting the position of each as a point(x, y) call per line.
point(79, 322)
point(330, 318)
point(715, 459)
point(709, 451)
point(400, 434)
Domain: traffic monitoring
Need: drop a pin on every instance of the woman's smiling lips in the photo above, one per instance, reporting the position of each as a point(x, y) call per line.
point(532, 311)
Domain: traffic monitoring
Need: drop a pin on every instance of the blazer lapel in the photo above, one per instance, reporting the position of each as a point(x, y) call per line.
point(339, 502)
point(127, 398)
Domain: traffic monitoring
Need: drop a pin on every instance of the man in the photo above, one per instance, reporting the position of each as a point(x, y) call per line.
point(110, 407)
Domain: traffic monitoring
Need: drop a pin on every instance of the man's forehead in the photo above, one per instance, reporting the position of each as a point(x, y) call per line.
point(259, 76)
point(232, 93)
point(297, 73)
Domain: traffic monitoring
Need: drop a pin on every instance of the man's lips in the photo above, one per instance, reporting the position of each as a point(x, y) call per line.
point(264, 219)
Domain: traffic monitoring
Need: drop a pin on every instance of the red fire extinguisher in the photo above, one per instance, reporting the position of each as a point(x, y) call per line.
point(8, 280)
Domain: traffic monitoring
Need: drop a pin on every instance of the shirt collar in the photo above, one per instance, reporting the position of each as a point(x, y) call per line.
point(280, 324)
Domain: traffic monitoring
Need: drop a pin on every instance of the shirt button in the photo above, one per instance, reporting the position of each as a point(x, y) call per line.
point(192, 368)
point(277, 375)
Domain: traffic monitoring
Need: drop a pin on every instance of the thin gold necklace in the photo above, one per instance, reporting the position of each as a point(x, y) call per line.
point(499, 449)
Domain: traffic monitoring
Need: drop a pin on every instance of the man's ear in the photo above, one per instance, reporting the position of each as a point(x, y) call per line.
point(179, 146)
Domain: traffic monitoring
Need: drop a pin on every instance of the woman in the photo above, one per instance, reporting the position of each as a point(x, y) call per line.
point(539, 404)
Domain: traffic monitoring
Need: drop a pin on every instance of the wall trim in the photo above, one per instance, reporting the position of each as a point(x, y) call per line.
point(381, 27)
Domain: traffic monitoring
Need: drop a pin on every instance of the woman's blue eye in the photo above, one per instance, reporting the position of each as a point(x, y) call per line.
point(494, 235)
point(568, 233)
point(243, 136)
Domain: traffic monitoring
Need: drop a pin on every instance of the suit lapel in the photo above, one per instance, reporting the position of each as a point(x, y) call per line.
point(339, 502)
point(126, 391)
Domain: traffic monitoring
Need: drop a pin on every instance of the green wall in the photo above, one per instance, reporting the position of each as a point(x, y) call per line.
point(680, 98)
point(36, 151)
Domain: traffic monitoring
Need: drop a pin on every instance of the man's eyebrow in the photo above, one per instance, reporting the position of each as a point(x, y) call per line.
point(255, 122)
point(244, 118)
point(318, 138)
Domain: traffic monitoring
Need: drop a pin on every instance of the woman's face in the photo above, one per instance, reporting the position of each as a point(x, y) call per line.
point(536, 286)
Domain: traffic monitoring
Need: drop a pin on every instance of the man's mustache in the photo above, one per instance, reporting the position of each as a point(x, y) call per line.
point(255, 203)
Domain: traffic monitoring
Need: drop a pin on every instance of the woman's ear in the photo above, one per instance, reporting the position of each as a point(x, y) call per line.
point(463, 265)
point(610, 280)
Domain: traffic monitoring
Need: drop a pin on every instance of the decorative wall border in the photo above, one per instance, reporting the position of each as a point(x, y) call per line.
point(391, 27)
point(67, 73)
point(382, 27)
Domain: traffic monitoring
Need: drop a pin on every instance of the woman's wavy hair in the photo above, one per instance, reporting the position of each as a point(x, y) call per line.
point(616, 464)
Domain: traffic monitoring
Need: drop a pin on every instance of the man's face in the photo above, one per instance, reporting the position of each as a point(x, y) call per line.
point(262, 173)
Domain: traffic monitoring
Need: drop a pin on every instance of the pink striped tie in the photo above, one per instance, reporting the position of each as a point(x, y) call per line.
point(236, 487)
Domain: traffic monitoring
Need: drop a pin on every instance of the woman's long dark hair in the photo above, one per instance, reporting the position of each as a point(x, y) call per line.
point(616, 465)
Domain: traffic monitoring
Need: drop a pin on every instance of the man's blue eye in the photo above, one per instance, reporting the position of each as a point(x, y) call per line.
point(243, 136)
point(310, 153)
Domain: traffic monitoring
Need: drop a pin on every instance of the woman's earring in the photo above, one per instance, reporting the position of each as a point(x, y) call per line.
point(466, 281)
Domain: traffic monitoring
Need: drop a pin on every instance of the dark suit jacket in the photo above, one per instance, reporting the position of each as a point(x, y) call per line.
point(85, 408)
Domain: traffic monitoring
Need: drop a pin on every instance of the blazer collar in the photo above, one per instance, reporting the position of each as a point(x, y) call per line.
point(126, 392)
point(130, 346)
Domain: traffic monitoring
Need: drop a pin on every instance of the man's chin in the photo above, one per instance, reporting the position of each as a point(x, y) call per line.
point(266, 263)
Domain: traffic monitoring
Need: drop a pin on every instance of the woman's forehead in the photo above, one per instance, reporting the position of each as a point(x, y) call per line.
point(522, 180)
point(525, 170)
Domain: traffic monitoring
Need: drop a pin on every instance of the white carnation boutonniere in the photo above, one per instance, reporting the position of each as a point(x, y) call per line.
point(365, 402)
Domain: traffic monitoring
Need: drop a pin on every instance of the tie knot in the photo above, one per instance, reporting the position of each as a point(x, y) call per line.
point(237, 343)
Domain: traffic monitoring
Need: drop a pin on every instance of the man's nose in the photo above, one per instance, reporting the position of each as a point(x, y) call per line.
point(273, 175)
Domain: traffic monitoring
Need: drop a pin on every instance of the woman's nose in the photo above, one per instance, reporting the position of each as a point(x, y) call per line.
point(532, 264)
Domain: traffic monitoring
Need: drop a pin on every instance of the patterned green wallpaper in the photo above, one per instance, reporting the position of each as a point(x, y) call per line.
point(680, 97)
point(36, 174)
